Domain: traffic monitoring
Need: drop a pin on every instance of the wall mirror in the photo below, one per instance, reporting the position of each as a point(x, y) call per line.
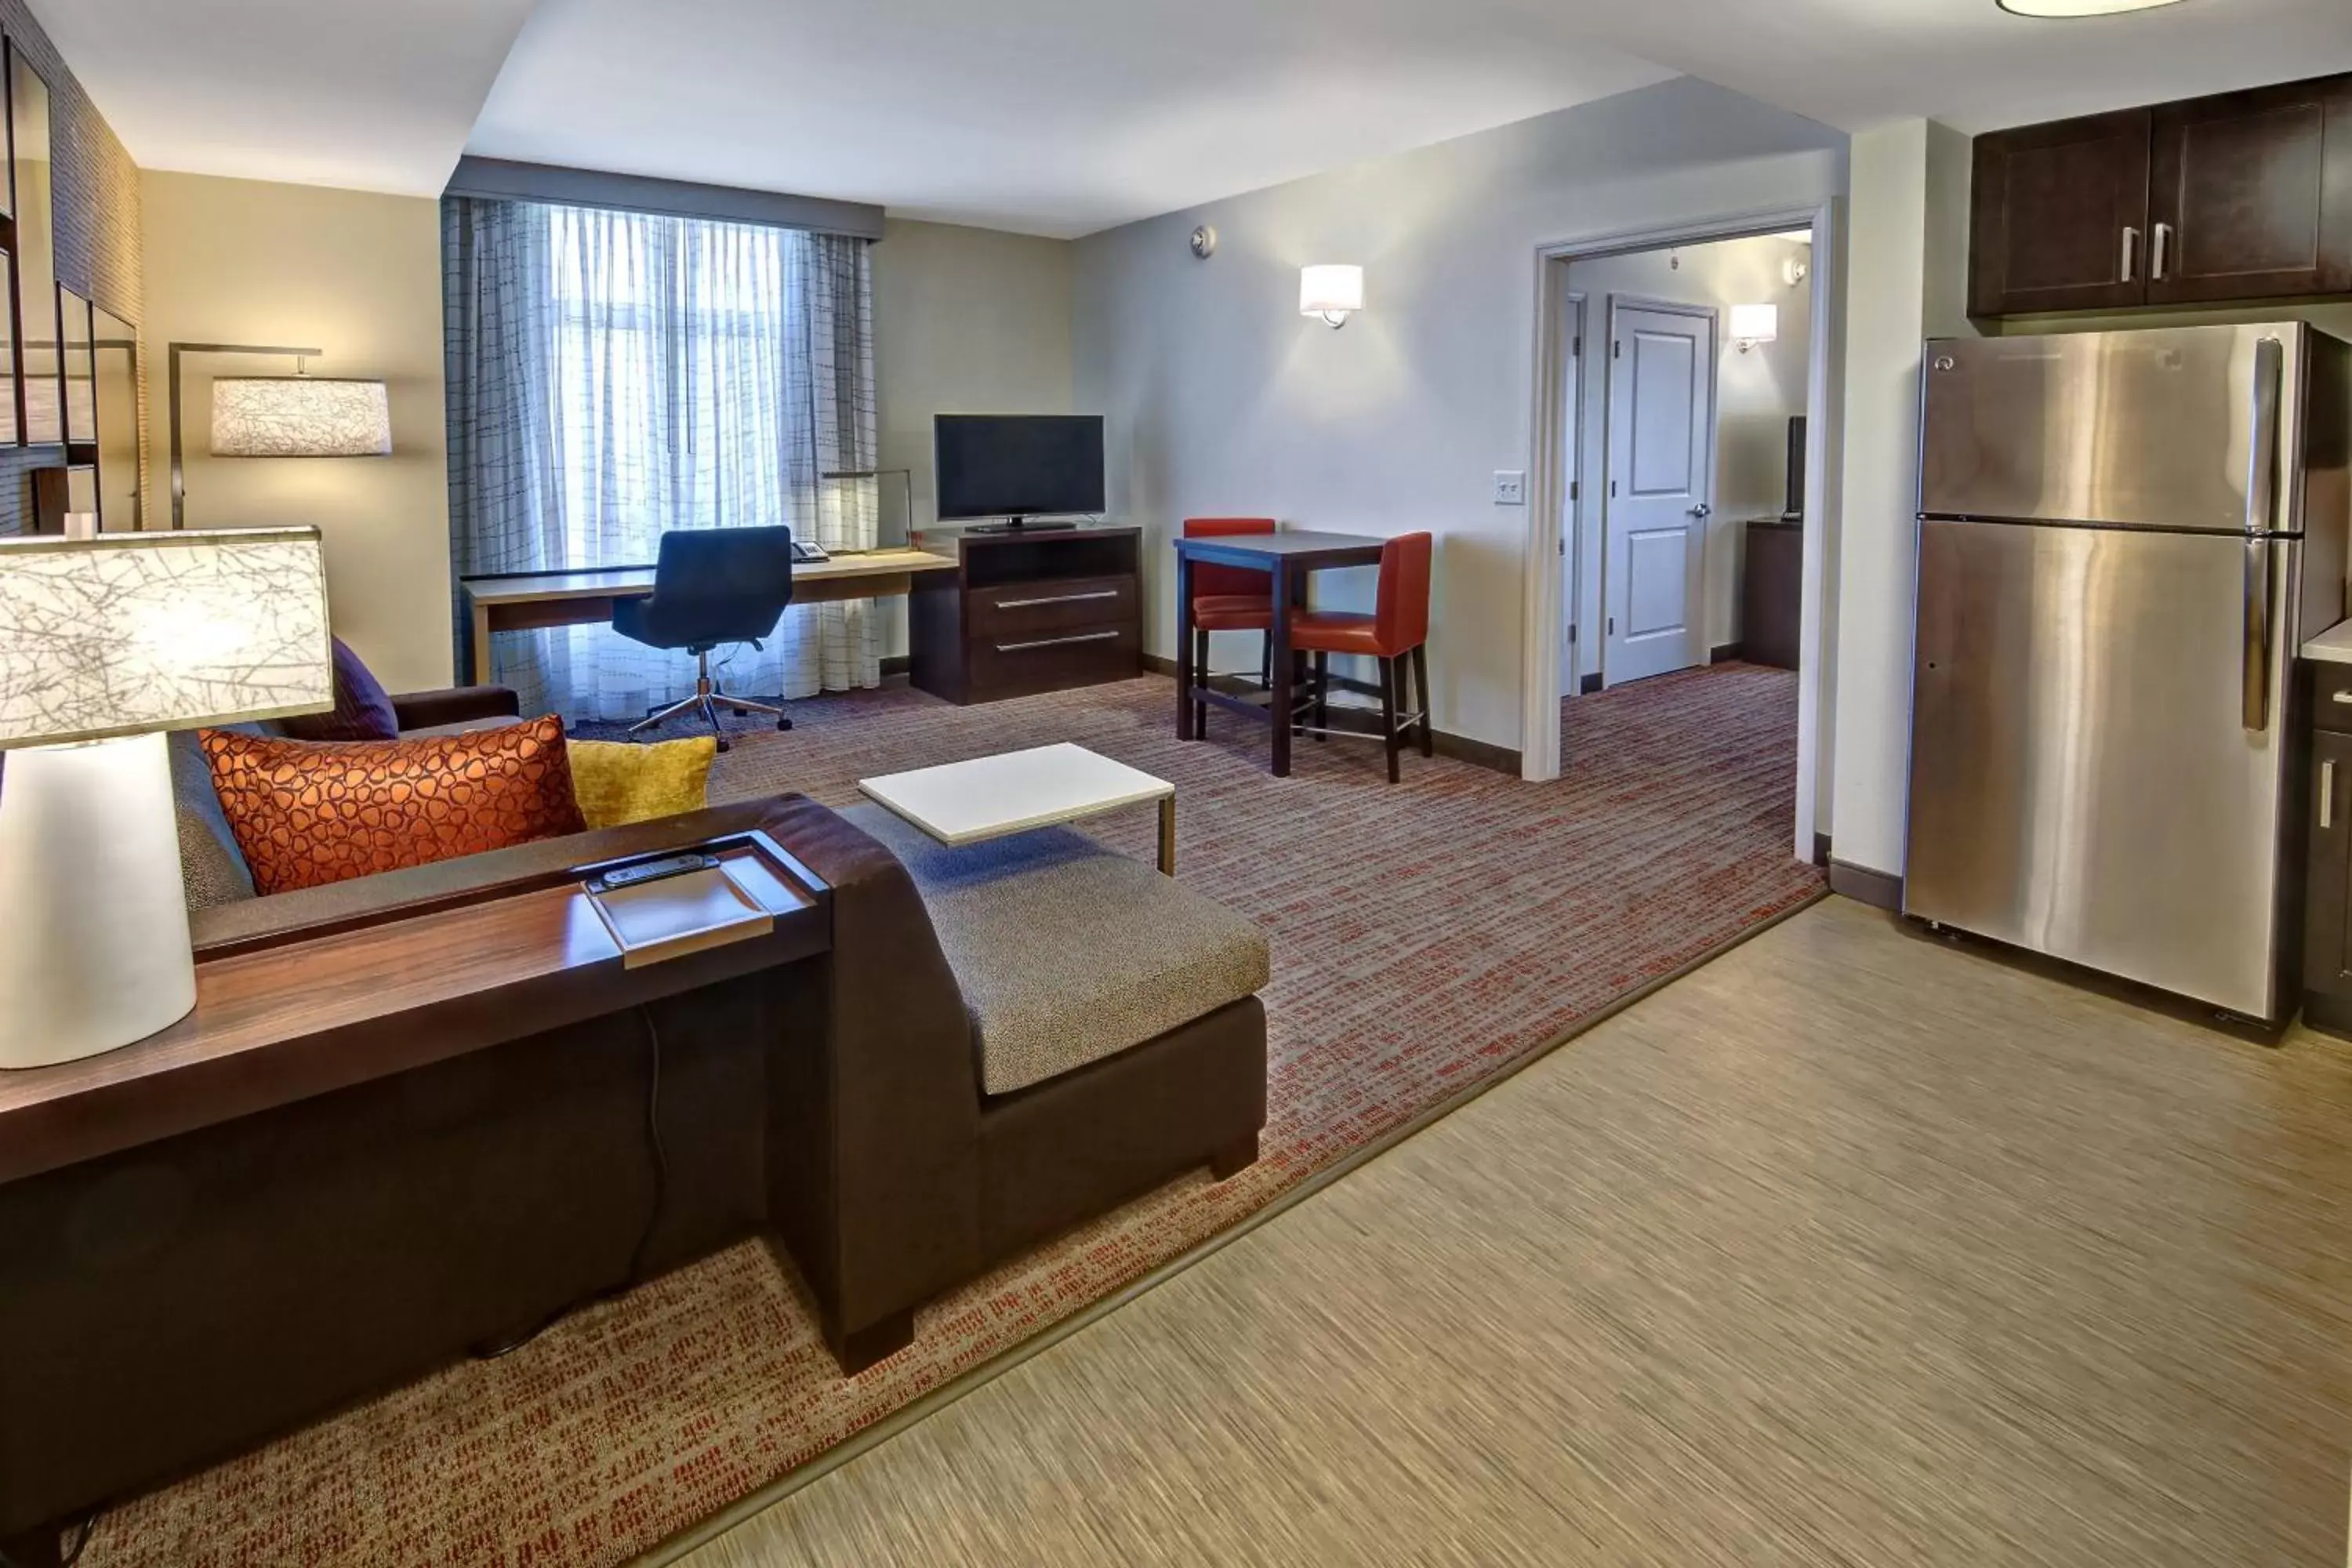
point(77, 357)
point(114, 355)
point(36, 275)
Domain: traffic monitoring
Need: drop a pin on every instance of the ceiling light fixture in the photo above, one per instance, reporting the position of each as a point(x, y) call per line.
point(2078, 7)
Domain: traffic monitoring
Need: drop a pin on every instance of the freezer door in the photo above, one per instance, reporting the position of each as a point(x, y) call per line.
point(2143, 429)
point(2083, 781)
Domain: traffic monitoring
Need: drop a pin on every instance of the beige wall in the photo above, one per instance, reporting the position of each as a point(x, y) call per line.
point(360, 277)
point(966, 320)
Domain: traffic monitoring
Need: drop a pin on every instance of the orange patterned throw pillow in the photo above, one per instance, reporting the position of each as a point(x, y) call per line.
point(307, 813)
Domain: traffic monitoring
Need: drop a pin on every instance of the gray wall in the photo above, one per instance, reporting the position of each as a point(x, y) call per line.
point(1222, 399)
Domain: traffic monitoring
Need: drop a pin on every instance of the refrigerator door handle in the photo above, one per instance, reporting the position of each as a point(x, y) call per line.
point(2262, 436)
point(2255, 693)
point(2261, 508)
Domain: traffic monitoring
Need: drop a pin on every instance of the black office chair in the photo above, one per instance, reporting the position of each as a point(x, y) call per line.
point(712, 585)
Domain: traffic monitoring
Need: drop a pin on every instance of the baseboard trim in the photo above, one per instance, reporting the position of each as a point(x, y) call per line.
point(1588, 684)
point(1821, 850)
point(902, 664)
point(1880, 889)
point(1725, 652)
point(1461, 748)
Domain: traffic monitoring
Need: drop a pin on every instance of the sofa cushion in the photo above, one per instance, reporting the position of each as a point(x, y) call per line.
point(362, 710)
point(621, 782)
point(1065, 952)
point(210, 862)
point(307, 813)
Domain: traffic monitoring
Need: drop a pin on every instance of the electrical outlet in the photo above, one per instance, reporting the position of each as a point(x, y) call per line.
point(1510, 486)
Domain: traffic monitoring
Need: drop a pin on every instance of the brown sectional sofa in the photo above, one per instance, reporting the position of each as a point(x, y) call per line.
point(164, 1309)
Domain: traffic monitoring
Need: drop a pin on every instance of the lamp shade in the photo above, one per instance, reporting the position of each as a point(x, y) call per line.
point(299, 416)
point(1755, 323)
point(1329, 290)
point(132, 632)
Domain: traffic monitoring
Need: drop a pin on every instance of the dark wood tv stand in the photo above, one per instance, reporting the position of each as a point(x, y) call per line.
point(1026, 610)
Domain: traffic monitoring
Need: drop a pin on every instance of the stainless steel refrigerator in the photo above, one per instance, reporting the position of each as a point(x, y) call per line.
point(2123, 537)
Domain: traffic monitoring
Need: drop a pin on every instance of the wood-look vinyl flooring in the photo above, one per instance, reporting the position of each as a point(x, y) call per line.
point(1848, 1249)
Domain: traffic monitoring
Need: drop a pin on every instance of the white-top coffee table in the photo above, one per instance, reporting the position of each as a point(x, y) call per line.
point(1013, 792)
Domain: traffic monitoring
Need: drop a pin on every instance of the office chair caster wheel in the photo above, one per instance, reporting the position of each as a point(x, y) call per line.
point(722, 743)
point(742, 712)
point(783, 723)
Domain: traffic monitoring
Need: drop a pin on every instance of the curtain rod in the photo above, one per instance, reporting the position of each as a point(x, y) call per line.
point(496, 179)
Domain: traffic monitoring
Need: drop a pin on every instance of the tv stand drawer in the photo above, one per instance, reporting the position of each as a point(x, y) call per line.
point(1016, 665)
point(1043, 605)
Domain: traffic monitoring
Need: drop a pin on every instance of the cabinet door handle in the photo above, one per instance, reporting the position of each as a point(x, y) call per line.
point(2160, 250)
point(1055, 599)
point(1057, 642)
point(2131, 252)
point(2326, 797)
point(2344, 696)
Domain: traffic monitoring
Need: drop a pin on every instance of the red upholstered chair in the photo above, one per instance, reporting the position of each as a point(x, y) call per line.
point(1396, 634)
point(1228, 599)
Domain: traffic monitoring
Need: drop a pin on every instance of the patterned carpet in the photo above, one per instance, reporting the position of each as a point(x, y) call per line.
point(1426, 937)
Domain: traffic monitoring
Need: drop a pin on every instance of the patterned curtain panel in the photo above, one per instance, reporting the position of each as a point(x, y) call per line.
point(613, 375)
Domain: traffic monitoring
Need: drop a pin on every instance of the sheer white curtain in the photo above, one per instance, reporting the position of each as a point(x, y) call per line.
point(625, 374)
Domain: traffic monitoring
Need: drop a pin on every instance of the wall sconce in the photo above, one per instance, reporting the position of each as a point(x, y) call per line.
point(1332, 292)
point(1753, 324)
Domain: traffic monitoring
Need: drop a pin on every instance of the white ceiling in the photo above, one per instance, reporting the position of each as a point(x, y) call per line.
point(1065, 116)
point(374, 95)
point(1057, 116)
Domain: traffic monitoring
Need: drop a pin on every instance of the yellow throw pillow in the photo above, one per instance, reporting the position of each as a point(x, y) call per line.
point(617, 782)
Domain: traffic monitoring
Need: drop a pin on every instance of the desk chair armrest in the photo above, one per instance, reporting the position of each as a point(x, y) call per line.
point(457, 705)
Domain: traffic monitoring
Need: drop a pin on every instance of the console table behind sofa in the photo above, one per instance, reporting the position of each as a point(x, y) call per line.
point(181, 1282)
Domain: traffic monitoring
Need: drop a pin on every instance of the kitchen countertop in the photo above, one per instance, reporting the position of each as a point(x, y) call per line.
point(2333, 645)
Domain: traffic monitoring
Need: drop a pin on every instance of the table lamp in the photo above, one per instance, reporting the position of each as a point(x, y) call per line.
point(104, 644)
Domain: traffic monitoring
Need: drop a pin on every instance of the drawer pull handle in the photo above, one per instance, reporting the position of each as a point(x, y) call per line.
point(1056, 599)
point(2343, 696)
point(1057, 642)
point(2326, 797)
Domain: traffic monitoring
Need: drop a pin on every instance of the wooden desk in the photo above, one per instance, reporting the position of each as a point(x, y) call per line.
point(1287, 558)
point(529, 603)
point(277, 1024)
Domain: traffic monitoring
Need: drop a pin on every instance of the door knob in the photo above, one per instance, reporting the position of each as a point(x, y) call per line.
point(1702, 510)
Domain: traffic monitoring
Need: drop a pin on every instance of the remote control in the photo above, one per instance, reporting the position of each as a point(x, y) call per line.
point(649, 871)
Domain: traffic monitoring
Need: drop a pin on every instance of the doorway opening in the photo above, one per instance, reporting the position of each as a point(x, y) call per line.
point(1681, 394)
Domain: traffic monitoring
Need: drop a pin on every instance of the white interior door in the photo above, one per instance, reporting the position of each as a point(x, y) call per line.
point(1661, 489)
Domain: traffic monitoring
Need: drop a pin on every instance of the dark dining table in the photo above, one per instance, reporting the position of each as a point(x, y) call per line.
point(1288, 559)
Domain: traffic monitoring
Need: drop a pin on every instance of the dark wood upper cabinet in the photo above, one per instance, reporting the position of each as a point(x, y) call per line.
point(2059, 216)
point(2251, 195)
point(2237, 198)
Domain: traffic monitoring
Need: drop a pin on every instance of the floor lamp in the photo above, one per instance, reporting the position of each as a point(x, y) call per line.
point(298, 416)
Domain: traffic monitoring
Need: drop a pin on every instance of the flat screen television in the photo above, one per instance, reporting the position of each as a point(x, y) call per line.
point(1017, 466)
